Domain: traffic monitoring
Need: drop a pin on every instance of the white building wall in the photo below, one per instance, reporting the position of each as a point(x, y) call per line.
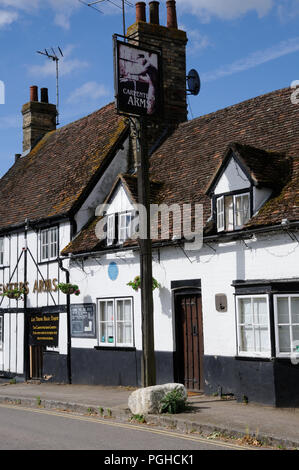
point(232, 179)
point(272, 256)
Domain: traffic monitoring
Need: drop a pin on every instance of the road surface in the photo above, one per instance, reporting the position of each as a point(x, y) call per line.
point(38, 429)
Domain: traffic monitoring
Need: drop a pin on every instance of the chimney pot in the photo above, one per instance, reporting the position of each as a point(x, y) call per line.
point(171, 14)
point(154, 12)
point(44, 95)
point(141, 11)
point(34, 93)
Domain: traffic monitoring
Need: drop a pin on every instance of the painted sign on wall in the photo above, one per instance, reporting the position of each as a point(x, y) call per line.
point(44, 329)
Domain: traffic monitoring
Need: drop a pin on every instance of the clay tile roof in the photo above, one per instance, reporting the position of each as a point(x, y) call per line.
point(265, 131)
point(50, 180)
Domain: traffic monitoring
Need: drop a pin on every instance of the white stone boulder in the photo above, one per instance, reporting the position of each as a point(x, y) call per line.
point(147, 400)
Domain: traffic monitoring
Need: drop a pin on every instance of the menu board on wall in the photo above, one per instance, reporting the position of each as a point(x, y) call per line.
point(44, 329)
point(83, 320)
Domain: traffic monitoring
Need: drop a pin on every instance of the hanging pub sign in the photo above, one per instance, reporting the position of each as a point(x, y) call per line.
point(44, 329)
point(138, 80)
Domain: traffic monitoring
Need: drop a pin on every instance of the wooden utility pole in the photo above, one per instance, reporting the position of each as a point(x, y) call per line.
point(148, 348)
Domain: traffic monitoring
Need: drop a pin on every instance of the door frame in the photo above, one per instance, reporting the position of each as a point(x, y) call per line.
point(176, 293)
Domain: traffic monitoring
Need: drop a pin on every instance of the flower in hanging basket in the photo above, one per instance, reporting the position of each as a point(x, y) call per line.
point(69, 289)
point(14, 294)
point(136, 283)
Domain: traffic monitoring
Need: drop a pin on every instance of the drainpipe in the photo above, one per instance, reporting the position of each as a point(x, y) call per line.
point(68, 312)
point(26, 329)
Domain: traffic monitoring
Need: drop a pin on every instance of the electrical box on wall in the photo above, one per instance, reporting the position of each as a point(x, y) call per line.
point(221, 302)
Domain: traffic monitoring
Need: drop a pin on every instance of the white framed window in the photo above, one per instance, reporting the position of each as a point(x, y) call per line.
point(1, 331)
point(286, 312)
point(110, 229)
point(115, 322)
point(241, 210)
point(49, 244)
point(124, 226)
point(253, 326)
point(233, 211)
point(1, 251)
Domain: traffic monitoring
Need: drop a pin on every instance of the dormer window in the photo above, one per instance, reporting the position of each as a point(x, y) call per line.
point(233, 211)
point(119, 227)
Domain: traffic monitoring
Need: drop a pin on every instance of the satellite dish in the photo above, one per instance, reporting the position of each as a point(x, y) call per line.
point(193, 81)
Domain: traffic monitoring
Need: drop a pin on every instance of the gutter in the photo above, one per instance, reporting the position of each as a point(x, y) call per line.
point(225, 237)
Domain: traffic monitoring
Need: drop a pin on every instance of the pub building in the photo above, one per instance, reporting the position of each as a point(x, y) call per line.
point(226, 315)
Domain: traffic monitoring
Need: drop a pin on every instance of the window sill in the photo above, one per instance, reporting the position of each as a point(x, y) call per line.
point(115, 348)
point(254, 358)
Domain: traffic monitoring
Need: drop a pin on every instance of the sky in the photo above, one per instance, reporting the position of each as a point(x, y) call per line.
point(240, 48)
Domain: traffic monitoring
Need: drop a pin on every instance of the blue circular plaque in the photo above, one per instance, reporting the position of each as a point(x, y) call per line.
point(113, 271)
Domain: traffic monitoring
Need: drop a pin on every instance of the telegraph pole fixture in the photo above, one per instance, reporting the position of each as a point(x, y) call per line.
point(53, 56)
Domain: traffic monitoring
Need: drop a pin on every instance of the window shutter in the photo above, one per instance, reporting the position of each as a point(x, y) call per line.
point(110, 229)
point(220, 214)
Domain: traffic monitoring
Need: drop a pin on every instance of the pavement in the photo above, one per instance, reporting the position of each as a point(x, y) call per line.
point(210, 416)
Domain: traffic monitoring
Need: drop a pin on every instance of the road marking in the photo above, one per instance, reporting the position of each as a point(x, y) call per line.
point(127, 426)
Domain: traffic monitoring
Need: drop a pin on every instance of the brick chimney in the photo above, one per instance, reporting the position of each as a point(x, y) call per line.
point(39, 118)
point(172, 42)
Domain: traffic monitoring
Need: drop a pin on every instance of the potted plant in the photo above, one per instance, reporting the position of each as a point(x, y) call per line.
point(14, 294)
point(136, 283)
point(69, 289)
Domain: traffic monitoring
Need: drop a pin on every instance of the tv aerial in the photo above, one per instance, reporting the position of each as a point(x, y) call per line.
point(193, 82)
point(117, 3)
point(54, 56)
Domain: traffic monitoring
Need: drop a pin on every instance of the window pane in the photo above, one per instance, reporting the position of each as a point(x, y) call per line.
point(262, 342)
point(260, 314)
point(241, 209)
point(247, 338)
point(245, 315)
point(103, 332)
point(229, 213)
point(295, 333)
point(295, 309)
point(284, 339)
point(127, 310)
point(120, 310)
point(283, 310)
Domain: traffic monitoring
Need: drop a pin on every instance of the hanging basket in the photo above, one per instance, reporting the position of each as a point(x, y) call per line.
point(136, 284)
point(69, 289)
point(14, 294)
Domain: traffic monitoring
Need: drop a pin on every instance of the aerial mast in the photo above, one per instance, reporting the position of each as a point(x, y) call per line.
point(54, 56)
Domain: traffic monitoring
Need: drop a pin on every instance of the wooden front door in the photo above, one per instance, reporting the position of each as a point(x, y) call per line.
point(36, 362)
point(189, 340)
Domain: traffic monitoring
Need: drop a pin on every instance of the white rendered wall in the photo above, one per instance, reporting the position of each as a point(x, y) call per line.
point(273, 256)
point(232, 179)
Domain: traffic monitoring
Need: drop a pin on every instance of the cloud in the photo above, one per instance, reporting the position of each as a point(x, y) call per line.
point(63, 9)
point(67, 65)
point(253, 60)
point(7, 18)
point(198, 41)
point(89, 91)
point(288, 10)
point(225, 9)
